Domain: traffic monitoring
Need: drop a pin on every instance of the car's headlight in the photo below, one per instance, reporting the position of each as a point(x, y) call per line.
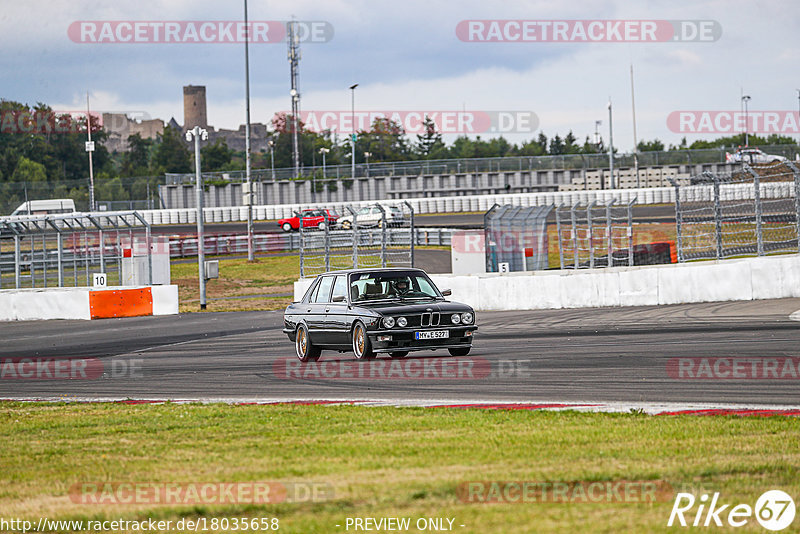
point(402, 322)
point(455, 318)
point(466, 317)
point(388, 322)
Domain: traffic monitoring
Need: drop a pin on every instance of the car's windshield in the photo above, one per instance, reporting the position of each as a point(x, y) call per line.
point(391, 285)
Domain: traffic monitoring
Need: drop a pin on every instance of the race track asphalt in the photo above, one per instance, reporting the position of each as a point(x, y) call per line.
point(583, 355)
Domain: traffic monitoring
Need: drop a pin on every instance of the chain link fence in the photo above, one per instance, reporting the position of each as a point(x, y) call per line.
point(377, 235)
point(41, 251)
point(752, 212)
point(595, 235)
point(516, 238)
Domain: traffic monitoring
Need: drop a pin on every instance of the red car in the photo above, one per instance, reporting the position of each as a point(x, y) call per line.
point(312, 218)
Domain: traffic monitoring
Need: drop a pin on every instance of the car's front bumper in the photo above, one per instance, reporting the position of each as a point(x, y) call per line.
point(403, 339)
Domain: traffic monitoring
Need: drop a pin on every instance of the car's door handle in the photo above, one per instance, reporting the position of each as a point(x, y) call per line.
point(308, 310)
point(327, 310)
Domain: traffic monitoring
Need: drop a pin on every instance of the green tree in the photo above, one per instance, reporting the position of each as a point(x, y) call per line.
point(385, 142)
point(215, 157)
point(171, 154)
point(29, 171)
point(557, 145)
point(136, 162)
point(430, 145)
point(650, 146)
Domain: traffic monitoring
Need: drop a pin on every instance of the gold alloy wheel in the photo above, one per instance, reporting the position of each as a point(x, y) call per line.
point(302, 342)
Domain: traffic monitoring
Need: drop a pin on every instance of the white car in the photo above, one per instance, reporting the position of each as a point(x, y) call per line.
point(371, 216)
point(752, 155)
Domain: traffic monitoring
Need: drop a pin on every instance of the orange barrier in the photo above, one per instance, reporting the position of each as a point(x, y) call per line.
point(120, 303)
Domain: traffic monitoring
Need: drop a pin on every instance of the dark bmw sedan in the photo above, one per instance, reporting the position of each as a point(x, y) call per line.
point(373, 311)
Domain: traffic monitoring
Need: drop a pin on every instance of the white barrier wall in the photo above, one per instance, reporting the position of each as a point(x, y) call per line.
point(707, 281)
point(35, 304)
point(76, 302)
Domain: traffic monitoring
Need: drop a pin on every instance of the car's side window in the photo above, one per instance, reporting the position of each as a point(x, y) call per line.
point(324, 292)
point(312, 292)
point(340, 287)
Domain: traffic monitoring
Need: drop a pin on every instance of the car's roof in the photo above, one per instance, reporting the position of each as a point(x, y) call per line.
point(374, 270)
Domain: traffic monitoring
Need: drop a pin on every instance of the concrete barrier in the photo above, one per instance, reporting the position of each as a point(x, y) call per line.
point(87, 302)
point(708, 281)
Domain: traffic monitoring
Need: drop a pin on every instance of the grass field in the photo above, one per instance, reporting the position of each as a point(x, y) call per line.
point(250, 283)
point(384, 462)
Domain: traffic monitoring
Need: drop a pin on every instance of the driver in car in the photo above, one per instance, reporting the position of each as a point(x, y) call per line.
point(400, 287)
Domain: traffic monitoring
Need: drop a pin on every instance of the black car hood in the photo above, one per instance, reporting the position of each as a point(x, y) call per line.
point(412, 306)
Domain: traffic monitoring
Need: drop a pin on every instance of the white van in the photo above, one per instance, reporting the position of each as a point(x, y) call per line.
point(45, 207)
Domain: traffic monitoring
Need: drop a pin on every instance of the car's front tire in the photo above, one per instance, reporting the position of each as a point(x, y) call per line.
point(305, 349)
point(286, 227)
point(460, 351)
point(362, 347)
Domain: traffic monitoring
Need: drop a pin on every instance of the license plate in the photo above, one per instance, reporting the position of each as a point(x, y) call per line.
point(432, 334)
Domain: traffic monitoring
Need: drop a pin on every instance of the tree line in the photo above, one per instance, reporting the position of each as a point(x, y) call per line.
point(41, 162)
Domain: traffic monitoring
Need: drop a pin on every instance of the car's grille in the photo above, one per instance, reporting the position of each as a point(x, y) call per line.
point(430, 319)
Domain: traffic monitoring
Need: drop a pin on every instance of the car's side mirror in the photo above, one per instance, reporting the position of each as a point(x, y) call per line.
point(338, 298)
point(447, 293)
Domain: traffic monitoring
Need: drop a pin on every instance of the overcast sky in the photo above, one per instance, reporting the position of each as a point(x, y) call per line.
point(407, 56)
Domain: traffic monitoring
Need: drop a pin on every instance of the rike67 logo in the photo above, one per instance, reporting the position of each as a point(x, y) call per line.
point(774, 510)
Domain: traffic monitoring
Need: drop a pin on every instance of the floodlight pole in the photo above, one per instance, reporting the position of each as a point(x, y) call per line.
point(197, 133)
point(746, 99)
point(353, 134)
point(250, 252)
point(90, 149)
point(610, 144)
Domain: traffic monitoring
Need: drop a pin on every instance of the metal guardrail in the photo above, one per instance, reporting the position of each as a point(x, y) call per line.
point(595, 235)
point(65, 249)
point(472, 165)
point(236, 244)
point(738, 214)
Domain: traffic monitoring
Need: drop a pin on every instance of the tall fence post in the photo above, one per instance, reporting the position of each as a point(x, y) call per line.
point(560, 244)
point(630, 232)
point(758, 209)
point(60, 245)
point(796, 173)
point(678, 219)
point(301, 247)
point(413, 233)
point(610, 238)
point(574, 235)
point(148, 237)
point(17, 280)
point(590, 232)
point(383, 235)
point(356, 238)
point(717, 217)
point(327, 242)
